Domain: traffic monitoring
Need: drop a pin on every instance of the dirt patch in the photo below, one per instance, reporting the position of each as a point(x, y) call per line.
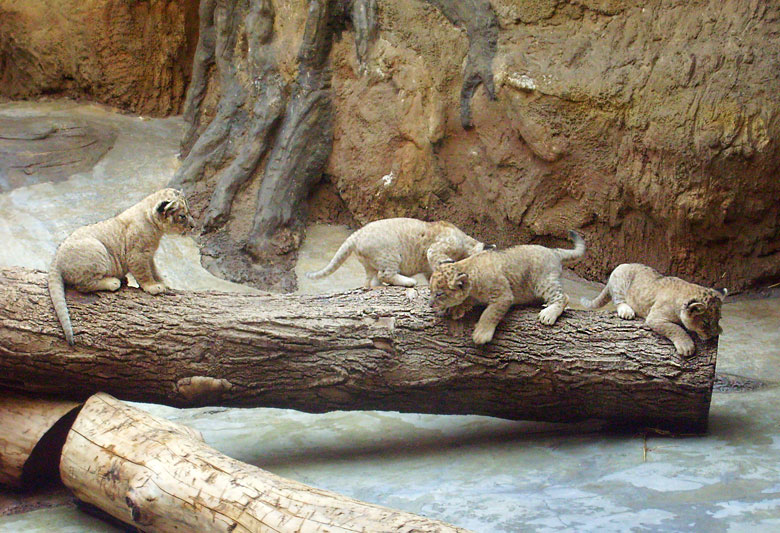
point(36, 149)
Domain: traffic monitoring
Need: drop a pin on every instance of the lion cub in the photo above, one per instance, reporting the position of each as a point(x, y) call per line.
point(393, 249)
point(665, 302)
point(519, 275)
point(96, 257)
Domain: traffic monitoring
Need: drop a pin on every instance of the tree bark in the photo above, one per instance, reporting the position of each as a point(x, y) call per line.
point(159, 476)
point(377, 349)
point(32, 438)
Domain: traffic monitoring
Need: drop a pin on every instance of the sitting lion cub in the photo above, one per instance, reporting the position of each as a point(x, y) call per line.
point(664, 302)
point(519, 275)
point(393, 249)
point(96, 257)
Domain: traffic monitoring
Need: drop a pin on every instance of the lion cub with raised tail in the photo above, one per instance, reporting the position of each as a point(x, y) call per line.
point(664, 302)
point(519, 275)
point(98, 256)
point(393, 249)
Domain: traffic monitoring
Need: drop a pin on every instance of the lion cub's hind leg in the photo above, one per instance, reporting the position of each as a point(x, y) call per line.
point(371, 277)
point(618, 293)
point(555, 300)
point(85, 265)
point(618, 285)
point(395, 278)
point(109, 283)
point(388, 268)
point(625, 311)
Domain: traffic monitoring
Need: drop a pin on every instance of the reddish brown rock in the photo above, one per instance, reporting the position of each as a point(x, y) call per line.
point(653, 128)
point(134, 55)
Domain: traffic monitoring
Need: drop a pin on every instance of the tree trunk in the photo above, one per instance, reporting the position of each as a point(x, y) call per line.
point(481, 24)
point(159, 476)
point(265, 129)
point(31, 438)
point(364, 349)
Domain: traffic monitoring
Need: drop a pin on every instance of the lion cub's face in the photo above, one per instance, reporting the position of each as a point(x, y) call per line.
point(173, 212)
point(449, 286)
point(702, 315)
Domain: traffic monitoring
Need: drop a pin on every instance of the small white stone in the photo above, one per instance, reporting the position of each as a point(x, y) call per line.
point(388, 179)
point(522, 82)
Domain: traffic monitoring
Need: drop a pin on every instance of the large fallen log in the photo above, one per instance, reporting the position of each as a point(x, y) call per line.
point(33, 431)
point(161, 477)
point(379, 349)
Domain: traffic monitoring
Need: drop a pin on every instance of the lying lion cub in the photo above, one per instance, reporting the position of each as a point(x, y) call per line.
point(96, 257)
point(393, 249)
point(518, 275)
point(664, 302)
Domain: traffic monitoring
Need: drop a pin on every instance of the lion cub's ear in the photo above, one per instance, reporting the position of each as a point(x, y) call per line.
point(722, 293)
point(461, 280)
point(695, 307)
point(161, 206)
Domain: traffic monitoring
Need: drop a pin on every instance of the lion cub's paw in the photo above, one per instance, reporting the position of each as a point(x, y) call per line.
point(625, 311)
point(111, 284)
point(483, 334)
point(549, 315)
point(154, 288)
point(685, 347)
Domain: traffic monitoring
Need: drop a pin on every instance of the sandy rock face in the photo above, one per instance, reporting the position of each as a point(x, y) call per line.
point(134, 55)
point(653, 128)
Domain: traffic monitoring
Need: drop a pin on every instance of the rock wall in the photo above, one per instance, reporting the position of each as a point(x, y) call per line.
point(651, 126)
point(136, 55)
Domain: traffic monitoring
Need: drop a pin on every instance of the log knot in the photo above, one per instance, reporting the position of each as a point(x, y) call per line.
point(135, 510)
point(202, 387)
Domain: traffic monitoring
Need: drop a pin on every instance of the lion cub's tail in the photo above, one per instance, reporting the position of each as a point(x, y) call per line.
point(599, 301)
point(574, 253)
point(341, 255)
point(57, 293)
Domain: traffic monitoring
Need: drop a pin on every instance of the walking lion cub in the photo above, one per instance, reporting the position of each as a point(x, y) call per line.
point(664, 302)
point(393, 249)
point(519, 275)
point(98, 256)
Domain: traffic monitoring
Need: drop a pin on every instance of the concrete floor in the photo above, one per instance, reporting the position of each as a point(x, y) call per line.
point(479, 473)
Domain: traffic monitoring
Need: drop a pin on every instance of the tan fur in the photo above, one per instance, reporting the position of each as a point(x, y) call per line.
point(98, 256)
point(393, 249)
point(664, 302)
point(519, 275)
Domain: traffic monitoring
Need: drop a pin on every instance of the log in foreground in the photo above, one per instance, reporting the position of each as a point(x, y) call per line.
point(362, 349)
point(160, 476)
point(33, 431)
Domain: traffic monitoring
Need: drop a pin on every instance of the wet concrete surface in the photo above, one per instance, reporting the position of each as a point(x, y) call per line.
point(479, 473)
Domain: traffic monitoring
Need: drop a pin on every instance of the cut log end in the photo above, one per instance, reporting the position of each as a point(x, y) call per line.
point(33, 432)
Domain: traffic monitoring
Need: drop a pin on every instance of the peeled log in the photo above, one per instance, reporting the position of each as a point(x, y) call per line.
point(363, 349)
point(159, 476)
point(33, 431)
